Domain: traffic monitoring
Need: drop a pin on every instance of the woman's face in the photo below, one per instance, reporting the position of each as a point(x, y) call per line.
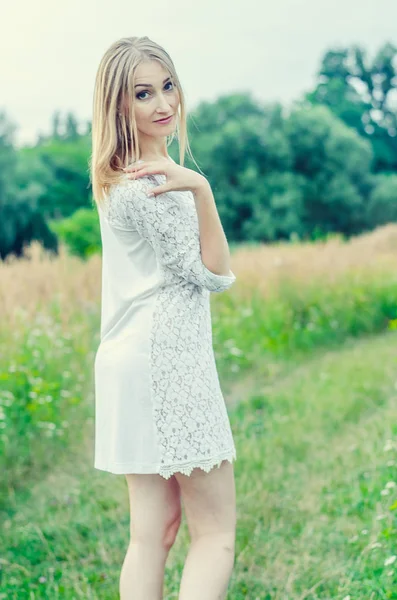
point(157, 99)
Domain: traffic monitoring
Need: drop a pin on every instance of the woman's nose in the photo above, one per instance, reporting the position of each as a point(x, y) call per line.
point(163, 104)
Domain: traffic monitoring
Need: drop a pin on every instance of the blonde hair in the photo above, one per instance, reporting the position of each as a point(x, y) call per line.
point(112, 125)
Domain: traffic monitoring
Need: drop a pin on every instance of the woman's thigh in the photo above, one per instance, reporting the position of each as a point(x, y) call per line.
point(155, 507)
point(209, 500)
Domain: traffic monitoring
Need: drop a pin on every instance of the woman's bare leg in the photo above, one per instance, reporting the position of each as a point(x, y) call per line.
point(155, 516)
point(209, 500)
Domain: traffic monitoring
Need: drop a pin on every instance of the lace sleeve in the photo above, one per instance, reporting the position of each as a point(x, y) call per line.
point(169, 223)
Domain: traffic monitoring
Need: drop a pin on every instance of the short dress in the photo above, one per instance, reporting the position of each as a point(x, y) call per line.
point(159, 407)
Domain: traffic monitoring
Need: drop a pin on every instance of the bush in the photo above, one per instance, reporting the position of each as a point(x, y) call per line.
point(382, 205)
point(80, 232)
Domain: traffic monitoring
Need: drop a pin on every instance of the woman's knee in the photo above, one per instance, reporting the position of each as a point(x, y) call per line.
point(171, 531)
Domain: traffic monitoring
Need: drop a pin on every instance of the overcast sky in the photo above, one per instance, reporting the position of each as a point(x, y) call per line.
point(50, 50)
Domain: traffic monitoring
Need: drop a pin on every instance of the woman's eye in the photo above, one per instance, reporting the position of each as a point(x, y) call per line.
point(146, 92)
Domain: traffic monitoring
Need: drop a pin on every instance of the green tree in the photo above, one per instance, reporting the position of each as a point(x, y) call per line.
point(20, 218)
point(336, 163)
point(362, 92)
point(61, 167)
point(382, 204)
point(276, 175)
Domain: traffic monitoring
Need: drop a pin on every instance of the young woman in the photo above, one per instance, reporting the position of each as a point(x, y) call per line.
point(160, 417)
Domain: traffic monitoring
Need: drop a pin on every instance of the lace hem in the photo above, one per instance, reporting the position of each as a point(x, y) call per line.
point(187, 468)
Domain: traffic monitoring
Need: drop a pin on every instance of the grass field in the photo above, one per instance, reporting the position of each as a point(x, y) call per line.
point(314, 420)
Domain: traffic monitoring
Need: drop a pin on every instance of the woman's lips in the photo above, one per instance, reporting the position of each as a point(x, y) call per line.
point(164, 121)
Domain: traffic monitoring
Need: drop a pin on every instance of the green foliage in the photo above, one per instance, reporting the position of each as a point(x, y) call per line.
point(361, 93)
point(335, 162)
point(382, 204)
point(61, 165)
point(41, 391)
point(282, 177)
point(277, 212)
point(21, 219)
point(80, 232)
point(316, 442)
point(297, 318)
point(299, 174)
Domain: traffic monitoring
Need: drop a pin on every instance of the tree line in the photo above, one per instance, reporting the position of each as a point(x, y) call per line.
point(327, 164)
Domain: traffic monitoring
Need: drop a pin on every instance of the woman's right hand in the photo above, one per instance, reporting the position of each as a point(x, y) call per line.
point(178, 178)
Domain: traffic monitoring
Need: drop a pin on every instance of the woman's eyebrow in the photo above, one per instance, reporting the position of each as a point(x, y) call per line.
point(149, 84)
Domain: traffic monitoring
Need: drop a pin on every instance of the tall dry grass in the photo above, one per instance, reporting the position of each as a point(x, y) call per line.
point(265, 266)
point(31, 284)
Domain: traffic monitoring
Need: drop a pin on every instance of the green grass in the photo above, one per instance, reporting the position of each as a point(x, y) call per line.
point(315, 474)
point(46, 393)
point(46, 370)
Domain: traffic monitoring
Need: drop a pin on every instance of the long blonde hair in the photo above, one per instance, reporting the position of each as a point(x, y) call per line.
point(111, 125)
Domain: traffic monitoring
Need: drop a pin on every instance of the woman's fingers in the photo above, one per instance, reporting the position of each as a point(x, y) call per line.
point(136, 174)
point(157, 190)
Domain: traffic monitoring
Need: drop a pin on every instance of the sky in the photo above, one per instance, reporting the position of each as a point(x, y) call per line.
point(50, 50)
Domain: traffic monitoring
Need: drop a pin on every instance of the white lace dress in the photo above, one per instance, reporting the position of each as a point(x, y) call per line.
point(158, 402)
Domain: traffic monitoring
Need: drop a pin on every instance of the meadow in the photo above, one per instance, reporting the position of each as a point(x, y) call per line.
point(305, 343)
